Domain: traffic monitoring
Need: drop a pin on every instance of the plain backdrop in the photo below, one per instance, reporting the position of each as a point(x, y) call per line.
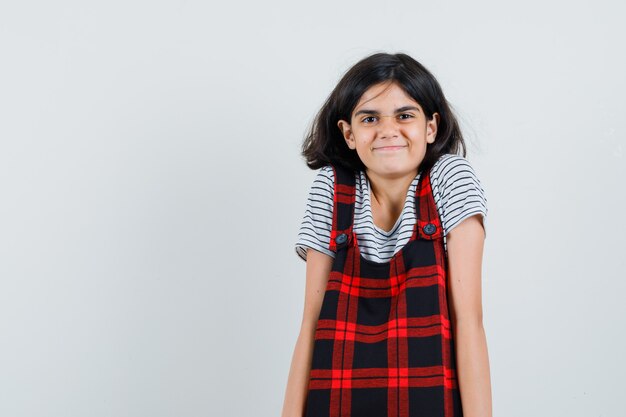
point(151, 190)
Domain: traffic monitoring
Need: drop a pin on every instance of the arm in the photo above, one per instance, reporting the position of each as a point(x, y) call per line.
point(318, 266)
point(465, 250)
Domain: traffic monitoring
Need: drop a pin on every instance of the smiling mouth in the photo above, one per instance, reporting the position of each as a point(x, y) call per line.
point(389, 148)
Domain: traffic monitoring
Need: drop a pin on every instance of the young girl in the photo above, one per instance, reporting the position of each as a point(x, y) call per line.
point(393, 239)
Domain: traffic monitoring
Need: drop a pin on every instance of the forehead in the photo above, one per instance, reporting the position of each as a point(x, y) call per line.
point(385, 93)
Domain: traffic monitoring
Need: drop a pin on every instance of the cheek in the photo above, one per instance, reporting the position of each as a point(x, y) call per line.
point(363, 137)
point(415, 132)
point(417, 127)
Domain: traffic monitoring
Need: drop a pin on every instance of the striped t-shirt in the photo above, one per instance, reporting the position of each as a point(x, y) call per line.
point(456, 189)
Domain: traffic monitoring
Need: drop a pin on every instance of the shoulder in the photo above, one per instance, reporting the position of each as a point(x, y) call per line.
point(324, 182)
point(327, 176)
point(457, 190)
point(452, 167)
point(321, 191)
point(316, 225)
point(327, 172)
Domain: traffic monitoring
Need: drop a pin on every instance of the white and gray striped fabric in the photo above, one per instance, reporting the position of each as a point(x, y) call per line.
point(456, 188)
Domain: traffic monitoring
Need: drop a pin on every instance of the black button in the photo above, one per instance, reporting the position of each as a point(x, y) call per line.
point(342, 238)
point(429, 229)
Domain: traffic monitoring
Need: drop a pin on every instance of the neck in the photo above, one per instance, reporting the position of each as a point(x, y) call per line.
point(390, 192)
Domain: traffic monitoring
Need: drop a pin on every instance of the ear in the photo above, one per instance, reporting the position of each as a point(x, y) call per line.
point(431, 128)
point(346, 131)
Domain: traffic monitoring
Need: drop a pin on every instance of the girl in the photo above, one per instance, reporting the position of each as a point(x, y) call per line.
point(393, 239)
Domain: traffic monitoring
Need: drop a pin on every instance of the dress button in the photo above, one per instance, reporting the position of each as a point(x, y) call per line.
point(429, 229)
point(342, 238)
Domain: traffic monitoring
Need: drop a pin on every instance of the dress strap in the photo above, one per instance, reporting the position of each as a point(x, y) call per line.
point(428, 222)
point(343, 210)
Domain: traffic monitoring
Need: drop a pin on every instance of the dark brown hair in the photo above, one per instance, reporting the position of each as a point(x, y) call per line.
point(324, 143)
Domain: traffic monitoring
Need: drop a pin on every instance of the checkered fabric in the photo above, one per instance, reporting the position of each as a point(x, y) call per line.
point(383, 342)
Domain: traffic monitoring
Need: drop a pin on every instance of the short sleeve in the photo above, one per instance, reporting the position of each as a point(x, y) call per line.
point(317, 221)
point(457, 191)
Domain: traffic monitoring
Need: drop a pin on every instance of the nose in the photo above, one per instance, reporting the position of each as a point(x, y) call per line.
point(388, 126)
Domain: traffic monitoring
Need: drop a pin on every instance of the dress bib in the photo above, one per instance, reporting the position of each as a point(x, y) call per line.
point(383, 341)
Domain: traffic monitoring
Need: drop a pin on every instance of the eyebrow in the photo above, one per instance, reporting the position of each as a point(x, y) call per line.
point(400, 110)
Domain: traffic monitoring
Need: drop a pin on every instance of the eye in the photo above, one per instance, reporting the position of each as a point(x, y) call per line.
point(405, 116)
point(369, 119)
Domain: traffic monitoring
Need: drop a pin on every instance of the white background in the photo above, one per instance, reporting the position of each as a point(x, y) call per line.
point(152, 189)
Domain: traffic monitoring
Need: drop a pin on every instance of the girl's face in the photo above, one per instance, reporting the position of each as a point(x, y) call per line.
point(389, 131)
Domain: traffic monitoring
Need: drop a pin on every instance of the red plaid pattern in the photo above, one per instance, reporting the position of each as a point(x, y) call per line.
point(383, 341)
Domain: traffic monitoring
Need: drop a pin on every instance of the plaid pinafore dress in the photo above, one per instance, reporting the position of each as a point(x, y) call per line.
point(383, 342)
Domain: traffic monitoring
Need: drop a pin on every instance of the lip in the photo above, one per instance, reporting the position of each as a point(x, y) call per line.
point(390, 148)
